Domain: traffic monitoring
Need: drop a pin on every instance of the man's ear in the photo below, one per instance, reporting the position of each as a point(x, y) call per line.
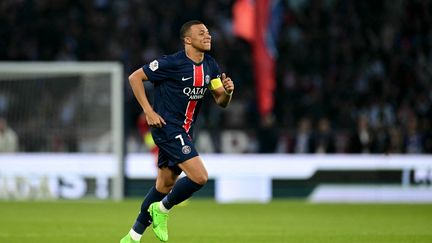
point(187, 40)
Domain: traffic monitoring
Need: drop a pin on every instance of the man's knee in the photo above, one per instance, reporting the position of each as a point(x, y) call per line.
point(200, 179)
point(164, 186)
point(195, 170)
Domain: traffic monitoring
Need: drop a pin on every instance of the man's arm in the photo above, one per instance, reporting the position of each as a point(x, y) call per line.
point(223, 93)
point(136, 82)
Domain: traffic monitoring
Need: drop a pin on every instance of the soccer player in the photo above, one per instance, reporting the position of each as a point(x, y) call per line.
point(181, 81)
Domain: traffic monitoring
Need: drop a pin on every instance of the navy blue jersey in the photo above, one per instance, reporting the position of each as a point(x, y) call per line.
point(179, 88)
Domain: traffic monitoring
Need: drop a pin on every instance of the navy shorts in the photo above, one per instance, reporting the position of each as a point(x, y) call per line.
point(175, 151)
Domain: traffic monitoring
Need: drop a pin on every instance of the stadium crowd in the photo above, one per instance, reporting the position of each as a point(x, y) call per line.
point(352, 76)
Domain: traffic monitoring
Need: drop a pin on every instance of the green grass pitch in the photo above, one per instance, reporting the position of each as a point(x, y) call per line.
point(205, 221)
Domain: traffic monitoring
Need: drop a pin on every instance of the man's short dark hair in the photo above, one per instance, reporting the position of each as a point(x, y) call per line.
point(186, 27)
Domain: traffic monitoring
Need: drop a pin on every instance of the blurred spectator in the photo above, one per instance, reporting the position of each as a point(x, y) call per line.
point(413, 141)
point(323, 140)
point(302, 143)
point(396, 141)
point(381, 140)
point(267, 135)
point(361, 139)
point(8, 138)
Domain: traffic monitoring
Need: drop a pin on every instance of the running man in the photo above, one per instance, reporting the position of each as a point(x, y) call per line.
point(181, 81)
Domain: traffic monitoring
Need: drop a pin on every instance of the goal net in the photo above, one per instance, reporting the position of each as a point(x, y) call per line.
point(68, 121)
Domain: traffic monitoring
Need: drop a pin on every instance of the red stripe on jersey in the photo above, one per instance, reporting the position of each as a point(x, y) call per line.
point(190, 109)
point(189, 114)
point(198, 75)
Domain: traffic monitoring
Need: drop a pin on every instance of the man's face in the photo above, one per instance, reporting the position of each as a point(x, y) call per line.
point(199, 37)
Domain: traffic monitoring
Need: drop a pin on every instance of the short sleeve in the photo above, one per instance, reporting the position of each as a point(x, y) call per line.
point(158, 70)
point(215, 69)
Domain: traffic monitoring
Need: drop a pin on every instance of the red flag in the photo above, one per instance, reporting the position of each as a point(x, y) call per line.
point(263, 61)
point(260, 28)
point(244, 19)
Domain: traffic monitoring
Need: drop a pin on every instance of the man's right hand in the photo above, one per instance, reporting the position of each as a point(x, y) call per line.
point(154, 119)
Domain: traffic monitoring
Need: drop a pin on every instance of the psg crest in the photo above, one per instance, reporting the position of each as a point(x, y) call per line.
point(186, 149)
point(207, 79)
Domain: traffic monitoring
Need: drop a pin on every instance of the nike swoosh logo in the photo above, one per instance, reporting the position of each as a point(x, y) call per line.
point(184, 79)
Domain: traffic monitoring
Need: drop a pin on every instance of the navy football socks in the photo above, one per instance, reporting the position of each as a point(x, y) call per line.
point(182, 190)
point(144, 218)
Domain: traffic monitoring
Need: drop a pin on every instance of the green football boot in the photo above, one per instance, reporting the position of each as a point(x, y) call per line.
point(128, 239)
point(160, 221)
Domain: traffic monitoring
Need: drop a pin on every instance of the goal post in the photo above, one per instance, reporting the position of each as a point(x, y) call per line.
point(87, 97)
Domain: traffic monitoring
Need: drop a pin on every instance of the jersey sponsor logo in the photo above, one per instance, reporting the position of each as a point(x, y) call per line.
point(186, 149)
point(184, 79)
point(154, 65)
point(195, 93)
